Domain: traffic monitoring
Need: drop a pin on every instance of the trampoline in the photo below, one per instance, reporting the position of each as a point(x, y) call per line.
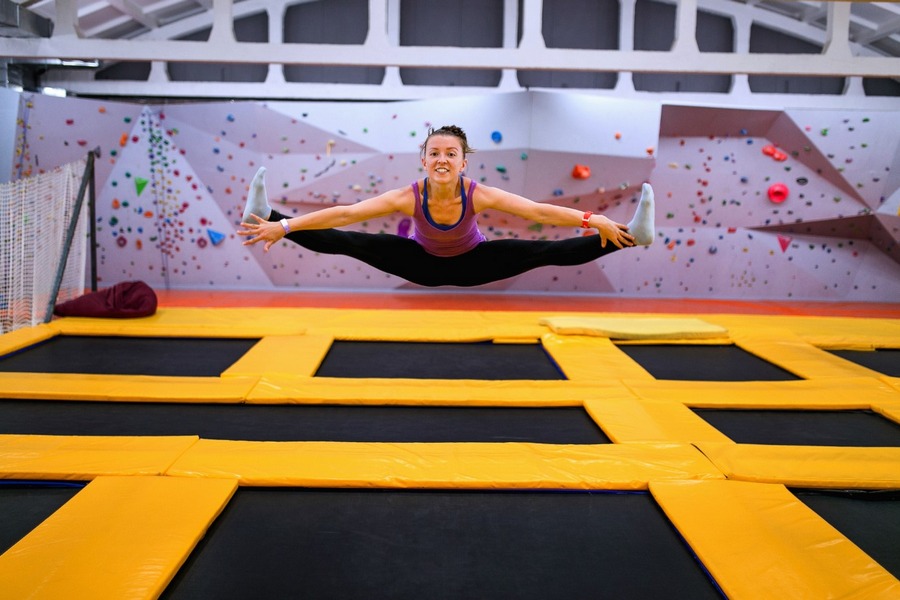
point(25, 505)
point(335, 453)
point(419, 360)
point(119, 355)
point(883, 360)
point(557, 425)
point(870, 519)
point(855, 428)
point(280, 543)
point(688, 362)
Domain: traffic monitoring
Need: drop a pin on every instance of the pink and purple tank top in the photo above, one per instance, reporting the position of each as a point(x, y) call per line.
point(446, 240)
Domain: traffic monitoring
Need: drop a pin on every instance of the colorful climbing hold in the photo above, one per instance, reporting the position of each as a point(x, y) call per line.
point(215, 237)
point(139, 184)
point(581, 172)
point(784, 242)
point(778, 193)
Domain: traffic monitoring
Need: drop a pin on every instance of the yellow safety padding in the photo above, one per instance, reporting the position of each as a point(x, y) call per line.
point(635, 328)
point(25, 337)
point(82, 458)
point(792, 353)
point(860, 393)
point(890, 410)
point(894, 382)
point(759, 541)
point(632, 420)
point(450, 325)
point(591, 358)
point(424, 325)
point(848, 333)
point(826, 332)
point(125, 388)
point(444, 465)
point(290, 356)
point(119, 537)
point(435, 392)
point(191, 322)
point(807, 466)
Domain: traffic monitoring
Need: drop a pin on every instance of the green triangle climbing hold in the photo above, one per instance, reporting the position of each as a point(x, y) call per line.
point(139, 184)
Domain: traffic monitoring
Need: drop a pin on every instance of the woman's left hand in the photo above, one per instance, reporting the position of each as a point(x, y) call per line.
point(610, 231)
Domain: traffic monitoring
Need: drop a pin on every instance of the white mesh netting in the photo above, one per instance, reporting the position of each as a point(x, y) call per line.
point(34, 215)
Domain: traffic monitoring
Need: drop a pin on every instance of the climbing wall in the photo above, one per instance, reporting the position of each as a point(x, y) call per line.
point(782, 205)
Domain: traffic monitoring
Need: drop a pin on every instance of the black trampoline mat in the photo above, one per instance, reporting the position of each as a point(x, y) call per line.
point(113, 355)
point(301, 543)
point(427, 360)
point(25, 506)
point(804, 427)
point(883, 360)
point(869, 519)
point(690, 362)
point(300, 422)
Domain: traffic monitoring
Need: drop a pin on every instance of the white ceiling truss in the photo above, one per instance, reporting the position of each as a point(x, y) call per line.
point(859, 40)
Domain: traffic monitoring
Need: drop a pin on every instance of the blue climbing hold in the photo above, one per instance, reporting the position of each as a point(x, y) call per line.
point(215, 237)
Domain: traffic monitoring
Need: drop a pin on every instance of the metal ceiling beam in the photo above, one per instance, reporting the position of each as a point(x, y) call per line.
point(886, 29)
point(135, 12)
point(71, 47)
point(15, 20)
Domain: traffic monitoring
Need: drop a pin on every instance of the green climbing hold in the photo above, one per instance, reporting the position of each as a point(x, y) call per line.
point(139, 184)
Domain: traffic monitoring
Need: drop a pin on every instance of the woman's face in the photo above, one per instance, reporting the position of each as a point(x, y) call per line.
point(444, 160)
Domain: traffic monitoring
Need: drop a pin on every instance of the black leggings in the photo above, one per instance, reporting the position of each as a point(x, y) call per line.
point(486, 262)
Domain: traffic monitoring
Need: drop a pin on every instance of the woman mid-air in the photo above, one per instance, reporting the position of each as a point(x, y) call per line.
point(446, 248)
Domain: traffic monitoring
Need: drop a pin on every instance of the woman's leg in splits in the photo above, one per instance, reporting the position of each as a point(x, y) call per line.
point(487, 262)
point(392, 254)
point(389, 253)
point(502, 259)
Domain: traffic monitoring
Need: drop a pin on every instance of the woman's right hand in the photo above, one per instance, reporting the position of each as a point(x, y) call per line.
point(261, 231)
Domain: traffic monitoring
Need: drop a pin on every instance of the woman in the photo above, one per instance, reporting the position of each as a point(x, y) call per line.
point(447, 247)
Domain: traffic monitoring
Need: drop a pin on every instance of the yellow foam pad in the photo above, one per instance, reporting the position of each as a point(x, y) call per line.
point(189, 322)
point(288, 356)
point(125, 388)
point(27, 336)
point(443, 465)
point(796, 355)
point(890, 410)
point(760, 541)
point(633, 420)
point(592, 358)
point(635, 328)
point(85, 457)
point(424, 325)
point(441, 392)
point(807, 466)
point(119, 537)
point(859, 393)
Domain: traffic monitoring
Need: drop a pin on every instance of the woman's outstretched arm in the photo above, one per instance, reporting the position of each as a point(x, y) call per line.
point(550, 214)
point(261, 230)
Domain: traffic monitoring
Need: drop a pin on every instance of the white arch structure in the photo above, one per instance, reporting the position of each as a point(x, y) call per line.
point(79, 28)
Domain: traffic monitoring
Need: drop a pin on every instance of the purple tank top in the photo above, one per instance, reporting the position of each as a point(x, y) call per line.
point(446, 240)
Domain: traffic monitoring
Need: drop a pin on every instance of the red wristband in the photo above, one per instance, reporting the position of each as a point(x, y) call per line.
point(586, 220)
